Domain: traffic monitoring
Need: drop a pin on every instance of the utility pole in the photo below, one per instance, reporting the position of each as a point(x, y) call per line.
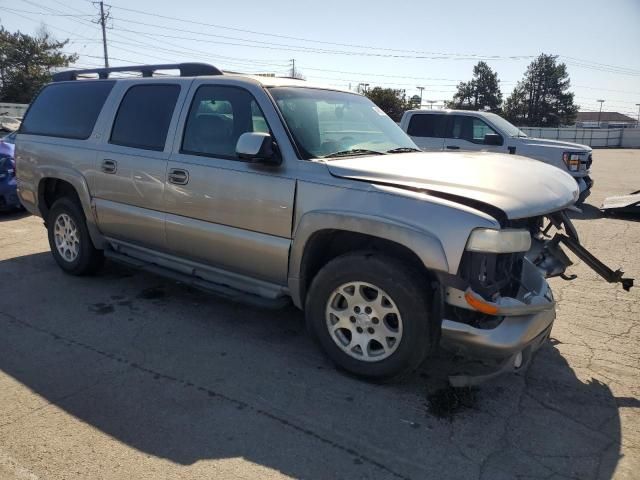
point(421, 89)
point(600, 112)
point(638, 122)
point(293, 68)
point(103, 21)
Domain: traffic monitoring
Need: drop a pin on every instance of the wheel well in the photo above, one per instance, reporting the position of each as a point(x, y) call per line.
point(326, 245)
point(51, 189)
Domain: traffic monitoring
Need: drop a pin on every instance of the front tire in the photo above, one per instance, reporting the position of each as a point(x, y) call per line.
point(69, 239)
point(371, 315)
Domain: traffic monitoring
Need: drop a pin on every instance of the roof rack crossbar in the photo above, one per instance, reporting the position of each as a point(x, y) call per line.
point(186, 70)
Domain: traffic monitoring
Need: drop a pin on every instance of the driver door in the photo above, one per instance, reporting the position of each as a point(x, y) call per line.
point(222, 211)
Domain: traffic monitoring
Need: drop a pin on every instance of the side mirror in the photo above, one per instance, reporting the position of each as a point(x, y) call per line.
point(492, 139)
point(257, 147)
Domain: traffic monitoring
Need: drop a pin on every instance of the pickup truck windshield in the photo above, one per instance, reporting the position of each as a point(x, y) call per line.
point(330, 124)
point(507, 127)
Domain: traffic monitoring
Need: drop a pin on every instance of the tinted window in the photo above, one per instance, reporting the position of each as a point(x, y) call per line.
point(68, 110)
point(144, 116)
point(217, 118)
point(469, 128)
point(427, 125)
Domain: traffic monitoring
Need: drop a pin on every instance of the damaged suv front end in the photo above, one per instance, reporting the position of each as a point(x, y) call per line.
point(500, 305)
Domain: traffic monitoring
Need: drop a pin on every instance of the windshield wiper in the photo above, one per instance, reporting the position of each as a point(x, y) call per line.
point(403, 150)
point(354, 151)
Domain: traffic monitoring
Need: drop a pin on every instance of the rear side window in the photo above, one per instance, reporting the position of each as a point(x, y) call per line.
point(427, 125)
point(67, 110)
point(144, 116)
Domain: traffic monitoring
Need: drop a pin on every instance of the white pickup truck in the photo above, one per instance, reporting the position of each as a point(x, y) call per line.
point(456, 130)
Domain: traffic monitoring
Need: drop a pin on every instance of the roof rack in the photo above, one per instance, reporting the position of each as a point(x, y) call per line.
point(186, 70)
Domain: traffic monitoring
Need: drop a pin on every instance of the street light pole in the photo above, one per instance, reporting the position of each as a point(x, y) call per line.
point(421, 89)
point(600, 112)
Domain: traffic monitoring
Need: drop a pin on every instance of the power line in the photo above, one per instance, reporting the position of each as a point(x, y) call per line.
point(448, 55)
point(248, 43)
point(350, 45)
point(46, 13)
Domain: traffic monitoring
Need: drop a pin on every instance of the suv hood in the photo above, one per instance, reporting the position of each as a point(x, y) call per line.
point(564, 146)
point(518, 186)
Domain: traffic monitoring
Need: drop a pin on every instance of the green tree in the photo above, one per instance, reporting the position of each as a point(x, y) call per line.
point(542, 98)
point(393, 102)
point(26, 63)
point(481, 93)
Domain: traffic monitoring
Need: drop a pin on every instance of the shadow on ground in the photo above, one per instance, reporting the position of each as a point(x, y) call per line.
point(13, 215)
point(183, 376)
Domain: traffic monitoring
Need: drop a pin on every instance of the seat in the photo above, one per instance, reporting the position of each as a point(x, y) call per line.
point(211, 134)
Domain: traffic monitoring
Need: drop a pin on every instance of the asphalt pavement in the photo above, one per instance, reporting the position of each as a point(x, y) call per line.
point(129, 375)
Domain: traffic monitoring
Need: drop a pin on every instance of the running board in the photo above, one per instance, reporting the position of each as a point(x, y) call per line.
point(224, 291)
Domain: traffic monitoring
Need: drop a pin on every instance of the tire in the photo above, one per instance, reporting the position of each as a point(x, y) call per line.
point(330, 304)
point(74, 251)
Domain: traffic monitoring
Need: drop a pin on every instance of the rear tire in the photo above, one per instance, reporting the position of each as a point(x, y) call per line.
point(69, 239)
point(371, 315)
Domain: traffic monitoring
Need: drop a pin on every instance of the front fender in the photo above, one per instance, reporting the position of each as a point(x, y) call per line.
point(424, 244)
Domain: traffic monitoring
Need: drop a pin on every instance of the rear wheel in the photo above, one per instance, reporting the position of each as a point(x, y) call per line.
point(69, 239)
point(371, 315)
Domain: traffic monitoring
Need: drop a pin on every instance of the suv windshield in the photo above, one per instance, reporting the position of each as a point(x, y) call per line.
point(331, 124)
point(507, 127)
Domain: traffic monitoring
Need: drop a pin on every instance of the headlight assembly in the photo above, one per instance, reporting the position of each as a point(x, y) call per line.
point(499, 241)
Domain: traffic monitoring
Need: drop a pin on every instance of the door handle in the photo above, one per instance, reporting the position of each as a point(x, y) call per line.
point(109, 166)
point(453, 147)
point(177, 176)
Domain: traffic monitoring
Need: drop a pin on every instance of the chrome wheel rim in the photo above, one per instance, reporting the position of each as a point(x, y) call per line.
point(364, 321)
point(67, 237)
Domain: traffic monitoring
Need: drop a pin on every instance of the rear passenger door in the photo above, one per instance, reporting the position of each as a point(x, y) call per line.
point(223, 211)
point(427, 130)
point(466, 132)
point(132, 162)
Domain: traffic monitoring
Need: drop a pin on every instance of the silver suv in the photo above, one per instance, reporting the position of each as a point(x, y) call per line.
point(266, 189)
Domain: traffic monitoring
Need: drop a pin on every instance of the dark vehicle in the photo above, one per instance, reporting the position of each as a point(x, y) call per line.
point(8, 188)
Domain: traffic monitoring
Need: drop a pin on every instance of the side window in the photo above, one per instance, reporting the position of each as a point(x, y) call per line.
point(427, 125)
point(144, 116)
point(469, 128)
point(67, 110)
point(217, 117)
point(479, 130)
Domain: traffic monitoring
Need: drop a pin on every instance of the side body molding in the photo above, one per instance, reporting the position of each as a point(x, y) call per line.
point(423, 243)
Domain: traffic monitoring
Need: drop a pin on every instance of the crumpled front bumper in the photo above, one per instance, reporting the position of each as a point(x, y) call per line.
point(525, 319)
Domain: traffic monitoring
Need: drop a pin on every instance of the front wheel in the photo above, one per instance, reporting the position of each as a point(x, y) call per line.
point(69, 239)
point(370, 313)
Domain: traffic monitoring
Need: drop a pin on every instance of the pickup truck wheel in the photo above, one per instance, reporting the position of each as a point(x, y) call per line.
point(371, 315)
point(69, 239)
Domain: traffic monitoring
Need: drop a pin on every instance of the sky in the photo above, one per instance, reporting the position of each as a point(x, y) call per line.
point(397, 44)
